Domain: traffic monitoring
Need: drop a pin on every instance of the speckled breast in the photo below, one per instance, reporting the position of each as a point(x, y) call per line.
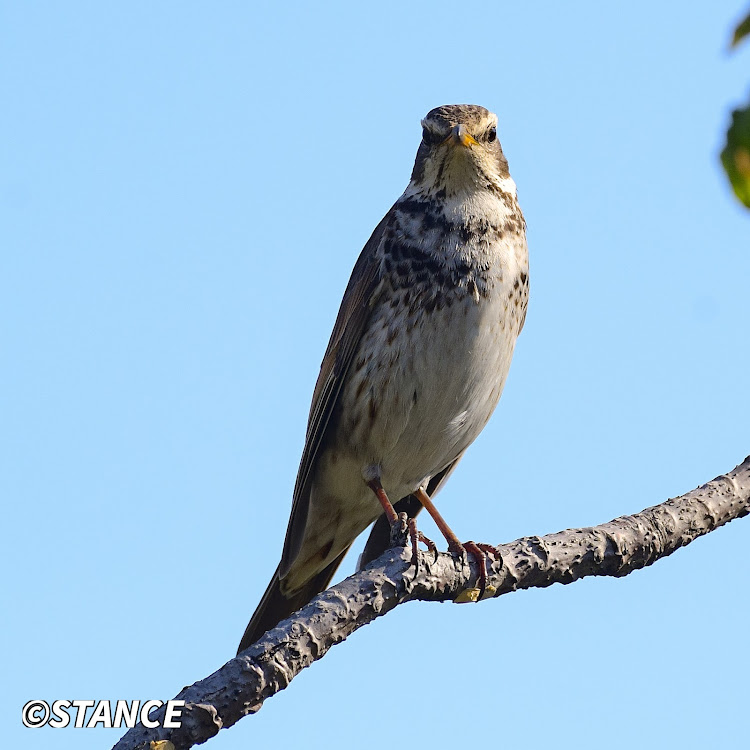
point(431, 365)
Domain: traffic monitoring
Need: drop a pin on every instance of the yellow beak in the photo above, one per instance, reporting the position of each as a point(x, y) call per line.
point(460, 135)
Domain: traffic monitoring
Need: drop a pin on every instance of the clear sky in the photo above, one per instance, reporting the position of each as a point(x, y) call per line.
point(184, 188)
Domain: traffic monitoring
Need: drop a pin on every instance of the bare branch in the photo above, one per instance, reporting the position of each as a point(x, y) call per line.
point(612, 549)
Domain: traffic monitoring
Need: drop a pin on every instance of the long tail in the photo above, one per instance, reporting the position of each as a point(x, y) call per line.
point(275, 607)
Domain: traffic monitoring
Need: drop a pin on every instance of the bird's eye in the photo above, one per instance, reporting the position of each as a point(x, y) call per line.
point(491, 135)
point(428, 137)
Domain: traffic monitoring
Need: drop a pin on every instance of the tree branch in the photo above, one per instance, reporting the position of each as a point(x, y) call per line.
point(611, 549)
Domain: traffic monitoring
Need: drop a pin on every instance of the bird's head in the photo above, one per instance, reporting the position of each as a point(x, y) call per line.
point(459, 151)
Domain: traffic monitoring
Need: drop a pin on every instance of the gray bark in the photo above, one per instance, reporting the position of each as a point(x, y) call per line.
point(611, 549)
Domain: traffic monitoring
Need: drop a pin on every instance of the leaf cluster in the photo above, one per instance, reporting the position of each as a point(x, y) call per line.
point(735, 156)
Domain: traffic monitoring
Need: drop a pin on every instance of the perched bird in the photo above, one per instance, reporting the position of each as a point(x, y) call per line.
point(416, 362)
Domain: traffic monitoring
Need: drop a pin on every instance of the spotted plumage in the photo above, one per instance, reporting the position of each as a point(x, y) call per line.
point(418, 357)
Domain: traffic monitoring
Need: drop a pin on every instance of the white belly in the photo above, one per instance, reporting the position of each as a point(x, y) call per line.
point(432, 392)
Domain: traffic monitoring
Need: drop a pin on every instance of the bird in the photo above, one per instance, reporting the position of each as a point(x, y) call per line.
point(416, 362)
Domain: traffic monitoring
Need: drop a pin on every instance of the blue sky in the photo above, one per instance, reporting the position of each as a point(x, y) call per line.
point(184, 189)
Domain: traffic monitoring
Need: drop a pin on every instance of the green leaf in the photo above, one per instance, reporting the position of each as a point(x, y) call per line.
point(741, 31)
point(736, 154)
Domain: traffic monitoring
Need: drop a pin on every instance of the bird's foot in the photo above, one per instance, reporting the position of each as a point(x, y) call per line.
point(416, 536)
point(400, 530)
point(404, 531)
point(490, 550)
point(479, 552)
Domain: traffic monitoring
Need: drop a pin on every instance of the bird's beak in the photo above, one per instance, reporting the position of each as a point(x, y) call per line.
point(460, 135)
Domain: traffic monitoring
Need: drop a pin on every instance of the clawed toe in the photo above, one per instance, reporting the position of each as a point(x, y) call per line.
point(479, 552)
point(490, 550)
point(400, 529)
point(475, 551)
point(415, 537)
point(430, 546)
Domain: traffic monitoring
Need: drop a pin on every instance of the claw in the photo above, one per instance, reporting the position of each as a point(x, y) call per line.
point(431, 546)
point(491, 550)
point(416, 536)
point(479, 555)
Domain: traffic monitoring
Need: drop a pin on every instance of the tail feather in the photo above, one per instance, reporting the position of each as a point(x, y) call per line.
point(275, 606)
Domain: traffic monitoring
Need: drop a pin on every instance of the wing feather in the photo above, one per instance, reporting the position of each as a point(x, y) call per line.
point(359, 299)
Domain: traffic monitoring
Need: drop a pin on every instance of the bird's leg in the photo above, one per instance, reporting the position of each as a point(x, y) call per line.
point(398, 521)
point(455, 547)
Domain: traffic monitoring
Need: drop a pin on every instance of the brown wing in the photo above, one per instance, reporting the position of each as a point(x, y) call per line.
point(359, 298)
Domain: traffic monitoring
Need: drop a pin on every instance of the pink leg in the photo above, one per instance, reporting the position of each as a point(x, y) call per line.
point(477, 551)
